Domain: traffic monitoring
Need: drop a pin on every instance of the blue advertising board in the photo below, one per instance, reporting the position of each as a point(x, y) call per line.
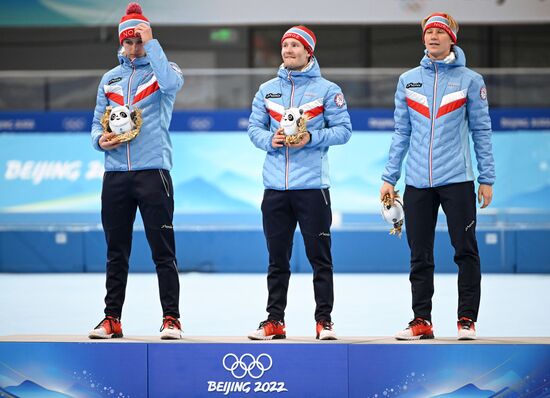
point(221, 173)
point(371, 119)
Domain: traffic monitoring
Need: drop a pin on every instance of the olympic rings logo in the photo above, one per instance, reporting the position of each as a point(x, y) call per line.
point(247, 364)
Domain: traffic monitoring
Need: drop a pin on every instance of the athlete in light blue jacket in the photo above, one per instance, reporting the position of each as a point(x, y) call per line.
point(305, 166)
point(296, 177)
point(149, 83)
point(439, 105)
point(137, 172)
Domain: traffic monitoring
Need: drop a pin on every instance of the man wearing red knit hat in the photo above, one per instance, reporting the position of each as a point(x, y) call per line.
point(296, 177)
point(439, 105)
point(137, 168)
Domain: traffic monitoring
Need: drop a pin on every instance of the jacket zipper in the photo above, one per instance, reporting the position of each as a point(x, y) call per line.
point(287, 168)
point(129, 94)
point(433, 123)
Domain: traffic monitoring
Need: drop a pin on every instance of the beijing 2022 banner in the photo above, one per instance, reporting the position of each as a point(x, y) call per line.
point(218, 173)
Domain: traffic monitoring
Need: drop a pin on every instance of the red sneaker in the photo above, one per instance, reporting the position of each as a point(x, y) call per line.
point(269, 330)
point(325, 330)
point(109, 328)
point(466, 329)
point(170, 329)
point(418, 329)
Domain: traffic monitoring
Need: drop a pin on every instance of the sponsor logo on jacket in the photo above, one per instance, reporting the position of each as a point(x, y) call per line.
point(115, 80)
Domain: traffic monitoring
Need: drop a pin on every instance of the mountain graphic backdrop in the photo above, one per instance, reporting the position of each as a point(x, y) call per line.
point(229, 173)
point(198, 195)
point(467, 391)
point(29, 389)
point(5, 394)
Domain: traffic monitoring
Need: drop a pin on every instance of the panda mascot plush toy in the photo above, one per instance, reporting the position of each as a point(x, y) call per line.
point(293, 123)
point(124, 123)
point(393, 213)
point(120, 120)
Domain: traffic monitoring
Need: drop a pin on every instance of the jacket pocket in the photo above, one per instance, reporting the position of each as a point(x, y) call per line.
point(165, 183)
point(324, 196)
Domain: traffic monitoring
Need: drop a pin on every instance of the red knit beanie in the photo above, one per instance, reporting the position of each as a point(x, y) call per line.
point(303, 35)
point(441, 21)
point(134, 16)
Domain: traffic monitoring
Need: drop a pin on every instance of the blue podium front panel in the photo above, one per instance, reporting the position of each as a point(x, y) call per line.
point(209, 370)
point(73, 370)
point(450, 371)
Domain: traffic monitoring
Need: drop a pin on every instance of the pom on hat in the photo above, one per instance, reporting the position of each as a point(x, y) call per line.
point(134, 16)
point(133, 8)
point(303, 35)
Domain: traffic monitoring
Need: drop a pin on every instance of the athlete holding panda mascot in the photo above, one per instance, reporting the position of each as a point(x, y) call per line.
point(296, 177)
point(137, 168)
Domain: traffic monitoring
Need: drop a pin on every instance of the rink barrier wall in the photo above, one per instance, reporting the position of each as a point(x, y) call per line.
point(244, 251)
point(231, 120)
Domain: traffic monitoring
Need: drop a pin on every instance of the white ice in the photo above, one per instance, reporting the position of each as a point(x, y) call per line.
point(233, 304)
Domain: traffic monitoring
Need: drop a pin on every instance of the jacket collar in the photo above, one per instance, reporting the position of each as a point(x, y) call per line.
point(460, 60)
point(125, 61)
point(310, 71)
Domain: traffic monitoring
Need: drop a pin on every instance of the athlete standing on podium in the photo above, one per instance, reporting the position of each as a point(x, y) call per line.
point(137, 172)
point(438, 105)
point(296, 177)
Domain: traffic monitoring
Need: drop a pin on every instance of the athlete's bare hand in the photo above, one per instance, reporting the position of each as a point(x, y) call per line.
point(278, 139)
point(109, 141)
point(144, 31)
point(485, 192)
point(387, 189)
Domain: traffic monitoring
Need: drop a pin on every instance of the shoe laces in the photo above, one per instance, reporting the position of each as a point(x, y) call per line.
point(270, 321)
point(418, 322)
point(111, 320)
point(327, 325)
point(169, 322)
point(465, 323)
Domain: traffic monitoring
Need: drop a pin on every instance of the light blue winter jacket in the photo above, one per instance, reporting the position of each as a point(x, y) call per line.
point(329, 124)
point(149, 83)
point(437, 106)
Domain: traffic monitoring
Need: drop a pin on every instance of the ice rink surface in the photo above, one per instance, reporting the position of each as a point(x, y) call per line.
point(233, 304)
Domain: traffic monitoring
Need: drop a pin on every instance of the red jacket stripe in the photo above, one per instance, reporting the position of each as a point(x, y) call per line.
point(422, 109)
point(146, 92)
point(314, 112)
point(119, 99)
point(452, 106)
point(275, 115)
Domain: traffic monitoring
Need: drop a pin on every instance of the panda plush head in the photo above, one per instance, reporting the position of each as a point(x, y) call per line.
point(289, 121)
point(120, 120)
point(393, 214)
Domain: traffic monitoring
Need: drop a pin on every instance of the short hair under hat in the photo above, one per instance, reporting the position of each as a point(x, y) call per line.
point(134, 16)
point(303, 35)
